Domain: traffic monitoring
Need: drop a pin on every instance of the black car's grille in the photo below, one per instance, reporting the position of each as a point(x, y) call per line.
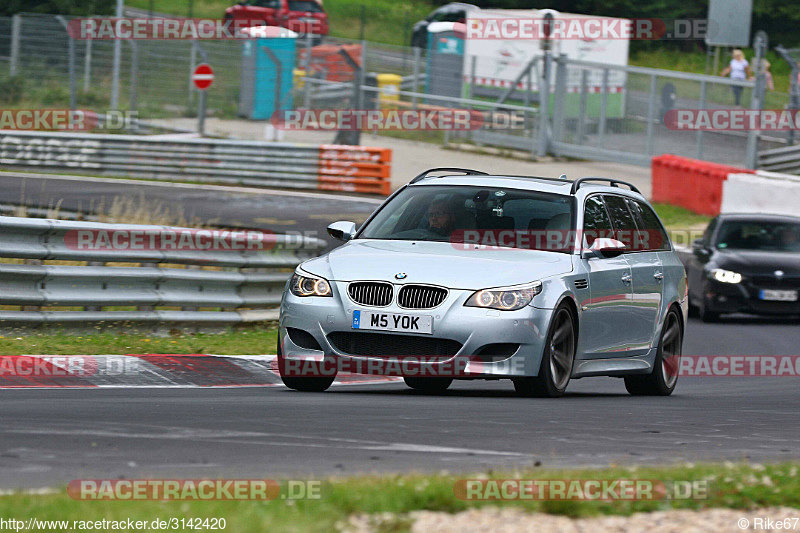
point(380, 344)
point(773, 282)
point(372, 293)
point(420, 296)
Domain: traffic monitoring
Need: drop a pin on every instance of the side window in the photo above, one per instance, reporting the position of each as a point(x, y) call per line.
point(596, 223)
point(624, 224)
point(651, 233)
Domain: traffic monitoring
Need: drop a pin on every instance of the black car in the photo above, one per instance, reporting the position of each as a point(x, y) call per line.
point(746, 263)
point(452, 12)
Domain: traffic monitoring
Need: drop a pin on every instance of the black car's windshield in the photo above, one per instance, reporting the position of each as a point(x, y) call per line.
point(759, 235)
point(304, 5)
point(485, 215)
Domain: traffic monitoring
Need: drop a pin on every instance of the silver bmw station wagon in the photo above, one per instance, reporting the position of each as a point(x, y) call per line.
point(465, 275)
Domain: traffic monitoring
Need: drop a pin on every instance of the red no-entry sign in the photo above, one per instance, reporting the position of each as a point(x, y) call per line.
point(203, 76)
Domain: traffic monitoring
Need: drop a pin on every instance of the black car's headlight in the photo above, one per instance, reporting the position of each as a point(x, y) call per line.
point(726, 276)
point(309, 286)
point(505, 298)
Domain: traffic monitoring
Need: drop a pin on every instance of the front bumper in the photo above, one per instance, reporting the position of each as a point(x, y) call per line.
point(744, 298)
point(473, 328)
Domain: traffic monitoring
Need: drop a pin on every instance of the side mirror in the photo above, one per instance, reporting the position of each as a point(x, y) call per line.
point(342, 230)
point(607, 248)
point(699, 248)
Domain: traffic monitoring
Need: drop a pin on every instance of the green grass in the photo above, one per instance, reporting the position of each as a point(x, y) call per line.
point(737, 486)
point(387, 21)
point(676, 217)
point(241, 341)
point(695, 61)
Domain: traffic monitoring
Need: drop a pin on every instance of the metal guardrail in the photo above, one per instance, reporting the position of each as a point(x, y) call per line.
point(786, 159)
point(290, 165)
point(248, 281)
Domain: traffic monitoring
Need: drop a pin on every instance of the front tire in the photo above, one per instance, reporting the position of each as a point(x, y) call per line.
point(430, 385)
point(664, 377)
point(704, 313)
point(302, 384)
point(557, 360)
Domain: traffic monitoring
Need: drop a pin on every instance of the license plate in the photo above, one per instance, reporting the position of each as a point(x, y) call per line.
point(392, 322)
point(778, 296)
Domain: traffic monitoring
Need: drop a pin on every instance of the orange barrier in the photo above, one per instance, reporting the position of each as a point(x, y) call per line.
point(690, 183)
point(355, 169)
point(327, 60)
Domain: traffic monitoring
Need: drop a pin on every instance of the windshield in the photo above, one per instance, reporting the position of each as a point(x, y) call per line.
point(302, 5)
point(498, 216)
point(759, 235)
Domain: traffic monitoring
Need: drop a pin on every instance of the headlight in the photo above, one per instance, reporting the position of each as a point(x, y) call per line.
point(726, 276)
point(309, 286)
point(505, 298)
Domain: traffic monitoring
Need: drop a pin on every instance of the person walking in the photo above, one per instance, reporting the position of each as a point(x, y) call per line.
point(739, 69)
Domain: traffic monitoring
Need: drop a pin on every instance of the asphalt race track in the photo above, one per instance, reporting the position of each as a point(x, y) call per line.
point(265, 209)
point(50, 437)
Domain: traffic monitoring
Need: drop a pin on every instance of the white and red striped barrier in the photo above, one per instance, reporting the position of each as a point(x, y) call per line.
point(149, 370)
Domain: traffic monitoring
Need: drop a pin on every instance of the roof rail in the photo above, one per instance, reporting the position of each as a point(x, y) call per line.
point(612, 182)
point(448, 169)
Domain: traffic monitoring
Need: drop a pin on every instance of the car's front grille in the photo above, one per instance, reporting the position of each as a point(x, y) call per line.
point(372, 293)
point(420, 296)
point(380, 344)
point(773, 282)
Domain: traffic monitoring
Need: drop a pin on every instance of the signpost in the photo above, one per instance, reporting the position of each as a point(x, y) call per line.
point(202, 77)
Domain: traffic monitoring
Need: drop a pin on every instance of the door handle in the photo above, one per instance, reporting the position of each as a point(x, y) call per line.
point(626, 278)
point(659, 276)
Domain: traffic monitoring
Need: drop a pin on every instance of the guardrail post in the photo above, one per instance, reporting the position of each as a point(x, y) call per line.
point(71, 63)
point(417, 53)
point(651, 114)
point(87, 66)
point(192, 66)
point(16, 28)
point(94, 307)
point(307, 85)
point(601, 133)
point(582, 106)
point(699, 141)
point(559, 98)
point(544, 106)
point(39, 286)
point(134, 75)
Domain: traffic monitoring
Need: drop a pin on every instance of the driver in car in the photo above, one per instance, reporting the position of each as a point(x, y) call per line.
point(441, 218)
point(790, 240)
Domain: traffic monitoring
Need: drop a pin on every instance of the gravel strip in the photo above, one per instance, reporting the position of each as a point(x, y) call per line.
point(508, 520)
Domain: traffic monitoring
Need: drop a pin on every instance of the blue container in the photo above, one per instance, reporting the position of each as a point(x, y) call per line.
point(445, 66)
point(267, 75)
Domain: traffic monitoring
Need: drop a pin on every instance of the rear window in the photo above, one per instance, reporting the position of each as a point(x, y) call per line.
point(305, 5)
